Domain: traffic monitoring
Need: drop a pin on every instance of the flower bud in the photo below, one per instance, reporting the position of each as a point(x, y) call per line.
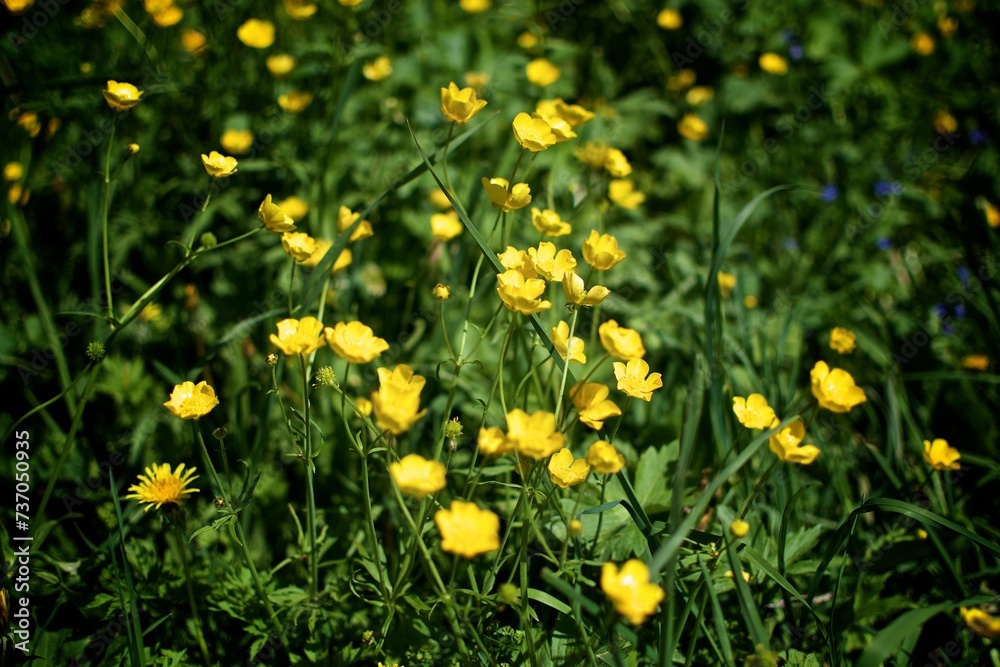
point(453, 429)
point(442, 292)
point(739, 528)
point(325, 377)
point(95, 351)
point(575, 527)
point(208, 240)
point(272, 359)
point(132, 149)
point(220, 433)
point(510, 594)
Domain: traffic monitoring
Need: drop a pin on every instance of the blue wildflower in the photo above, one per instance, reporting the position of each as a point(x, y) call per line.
point(883, 243)
point(795, 51)
point(960, 311)
point(829, 193)
point(977, 137)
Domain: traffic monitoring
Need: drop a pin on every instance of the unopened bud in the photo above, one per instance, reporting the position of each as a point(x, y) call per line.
point(132, 149)
point(95, 351)
point(220, 433)
point(208, 240)
point(272, 359)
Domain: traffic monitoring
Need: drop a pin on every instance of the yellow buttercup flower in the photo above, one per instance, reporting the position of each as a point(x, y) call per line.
point(397, 401)
point(574, 114)
point(574, 527)
point(504, 197)
point(161, 486)
point(842, 340)
point(439, 199)
point(541, 72)
point(772, 63)
point(493, 442)
point(192, 401)
point(941, 456)
point(355, 342)
point(616, 163)
point(621, 343)
point(477, 80)
point(322, 246)
point(280, 64)
point(467, 530)
point(121, 96)
point(947, 25)
point(377, 69)
point(363, 407)
point(236, 141)
point(295, 101)
point(601, 251)
point(592, 154)
point(349, 3)
point(475, 6)
point(692, 127)
point(560, 129)
point(604, 458)
point(922, 43)
point(564, 471)
point(683, 80)
point(753, 411)
point(944, 122)
point(699, 95)
point(13, 171)
point(835, 390)
point(981, 623)
point(294, 207)
point(728, 574)
point(592, 404)
point(632, 379)
point(18, 7)
point(446, 226)
point(623, 193)
point(164, 12)
point(459, 106)
point(346, 218)
point(727, 282)
point(564, 346)
point(787, 445)
point(300, 10)
point(218, 165)
point(28, 121)
point(976, 362)
point(418, 477)
point(669, 19)
point(739, 528)
point(299, 245)
point(441, 292)
point(630, 590)
point(991, 212)
point(273, 217)
point(297, 337)
point(534, 435)
point(533, 133)
point(549, 223)
point(256, 33)
point(522, 295)
point(513, 259)
point(574, 288)
point(193, 41)
point(550, 264)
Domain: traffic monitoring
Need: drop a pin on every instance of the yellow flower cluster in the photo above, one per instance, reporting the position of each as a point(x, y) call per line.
point(164, 13)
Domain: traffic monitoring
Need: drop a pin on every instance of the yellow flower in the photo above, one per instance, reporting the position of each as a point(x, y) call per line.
point(475, 6)
point(299, 245)
point(621, 343)
point(947, 25)
point(534, 435)
point(941, 456)
point(193, 41)
point(991, 212)
point(418, 477)
point(981, 623)
point(601, 251)
point(504, 197)
point(477, 80)
point(560, 340)
point(322, 246)
point(513, 259)
point(160, 486)
point(574, 527)
point(397, 401)
point(192, 401)
point(493, 442)
point(533, 133)
point(548, 263)
point(727, 282)
point(164, 12)
point(623, 193)
point(355, 342)
point(295, 101)
point(592, 404)
point(346, 218)
point(616, 163)
point(296, 337)
point(256, 33)
point(976, 362)
point(446, 226)
point(842, 340)
point(574, 114)
point(592, 154)
point(300, 10)
point(363, 407)
point(669, 19)
point(280, 64)
point(692, 127)
point(604, 458)
point(349, 3)
point(549, 223)
point(467, 530)
point(944, 122)
point(121, 96)
point(294, 207)
point(236, 141)
point(13, 171)
point(787, 445)
point(633, 381)
point(459, 106)
point(564, 471)
point(438, 199)
point(739, 528)
point(835, 390)
point(29, 122)
point(630, 590)
point(541, 72)
point(274, 218)
point(753, 411)
point(218, 165)
point(683, 80)
point(575, 291)
point(378, 69)
point(922, 43)
point(699, 95)
point(560, 129)
point(728, 574)
point(18, 7)
point(772, 63)
point(522, 295)
point(442, 292)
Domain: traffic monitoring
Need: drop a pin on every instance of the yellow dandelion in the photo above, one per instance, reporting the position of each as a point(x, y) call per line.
point(160, 486)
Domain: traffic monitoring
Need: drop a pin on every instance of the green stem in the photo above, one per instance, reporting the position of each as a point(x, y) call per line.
point(310, 490)
point(444, 159)
point(565, 373)
point(181, 550)
point(291, 283)
point(259, 584)
point(370, 525)
point(756, 489)
point(503, 355)
point(112, 320)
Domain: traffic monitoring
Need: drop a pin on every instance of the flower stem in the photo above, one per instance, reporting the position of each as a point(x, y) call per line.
point(565, 373)
point(310, 490)
point(444, 158)
point(112, 321)
point(181, 550)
